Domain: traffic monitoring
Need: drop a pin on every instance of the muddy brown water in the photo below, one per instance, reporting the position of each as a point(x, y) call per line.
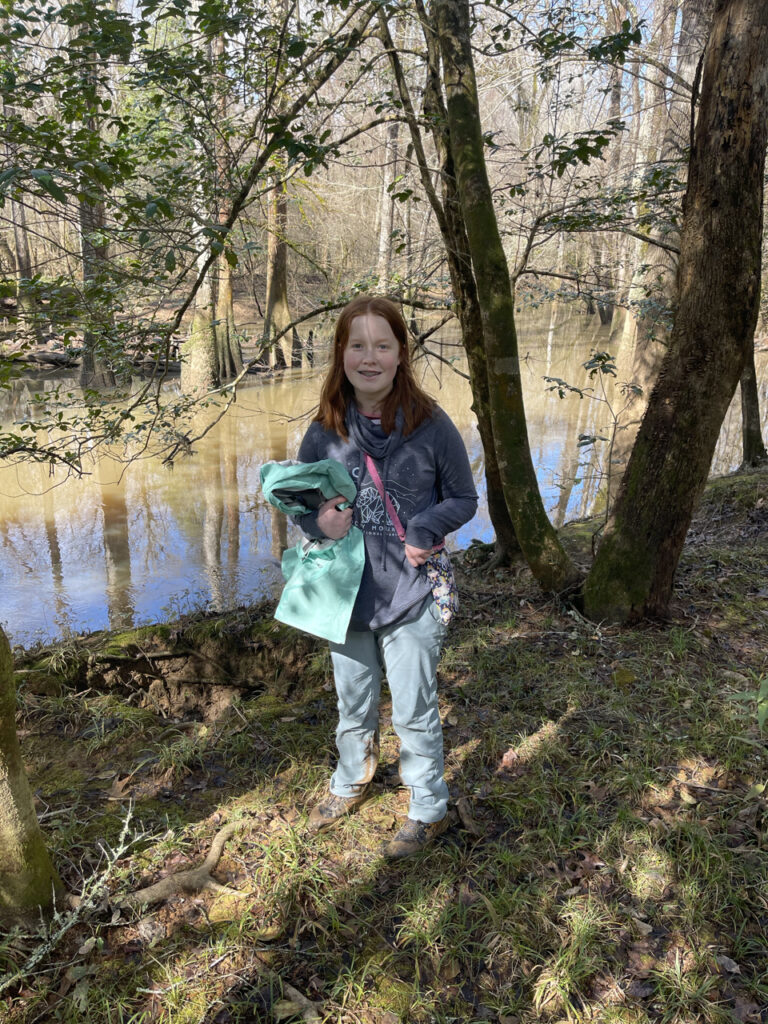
point(124, 546)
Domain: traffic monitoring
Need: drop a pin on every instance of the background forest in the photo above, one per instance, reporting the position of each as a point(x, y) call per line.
point(189, 190)
point(201, 181)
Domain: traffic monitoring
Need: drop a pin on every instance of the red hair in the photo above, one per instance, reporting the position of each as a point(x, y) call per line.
point(406, 394)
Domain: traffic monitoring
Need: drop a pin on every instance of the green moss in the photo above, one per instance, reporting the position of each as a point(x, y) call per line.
point(128, 641)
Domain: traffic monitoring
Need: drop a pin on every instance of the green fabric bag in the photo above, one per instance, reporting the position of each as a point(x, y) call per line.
point(289, 485)
point(322, 576)
point(322, 581)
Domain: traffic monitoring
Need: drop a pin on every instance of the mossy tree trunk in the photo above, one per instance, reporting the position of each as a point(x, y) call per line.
point(447, 210)
point(718, 302)
point(539, 542)
point(752, 445)
point(28, 881)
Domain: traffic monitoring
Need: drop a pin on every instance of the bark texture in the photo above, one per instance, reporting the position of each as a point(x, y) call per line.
point(277, 314)
point(665, 137)
point(752, 446)
point(387, 207)
point(211, 353)
point(28, 880)
point(199, 364)
point(95, 370)
point(535, 534)
point(718, 301)
point(448, 214)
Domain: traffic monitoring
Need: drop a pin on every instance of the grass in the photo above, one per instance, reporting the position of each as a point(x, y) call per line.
point(609, 863)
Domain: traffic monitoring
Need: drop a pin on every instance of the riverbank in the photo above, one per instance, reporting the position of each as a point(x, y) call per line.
point(607, 859)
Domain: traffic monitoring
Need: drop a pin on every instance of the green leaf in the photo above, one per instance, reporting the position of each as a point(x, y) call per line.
point(296, 47)
point(170, 261)
point(46, 182)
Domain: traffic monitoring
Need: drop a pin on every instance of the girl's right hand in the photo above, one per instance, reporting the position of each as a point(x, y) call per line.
point(334, 522)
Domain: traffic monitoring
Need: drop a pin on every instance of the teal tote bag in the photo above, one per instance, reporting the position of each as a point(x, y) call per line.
point(322, 576)
point(322, 581)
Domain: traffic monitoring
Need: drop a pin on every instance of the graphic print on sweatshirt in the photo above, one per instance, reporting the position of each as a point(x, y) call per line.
point(372, 516)
point(372, 512)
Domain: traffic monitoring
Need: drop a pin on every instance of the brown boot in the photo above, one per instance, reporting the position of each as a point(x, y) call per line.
point(331, 808)
point(414, 836)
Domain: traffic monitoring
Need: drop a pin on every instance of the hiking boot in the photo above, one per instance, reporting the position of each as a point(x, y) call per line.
point(331, 808)
point(414, 836)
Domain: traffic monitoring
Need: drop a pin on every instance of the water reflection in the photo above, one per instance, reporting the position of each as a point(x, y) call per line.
point(131, 544)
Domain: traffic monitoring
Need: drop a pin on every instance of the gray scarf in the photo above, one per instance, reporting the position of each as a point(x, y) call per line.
point(368, 435)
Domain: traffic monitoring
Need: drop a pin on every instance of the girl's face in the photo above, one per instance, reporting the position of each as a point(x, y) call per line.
point(371, 359)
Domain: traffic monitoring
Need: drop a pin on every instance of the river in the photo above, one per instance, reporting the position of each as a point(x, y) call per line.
point(129, 545)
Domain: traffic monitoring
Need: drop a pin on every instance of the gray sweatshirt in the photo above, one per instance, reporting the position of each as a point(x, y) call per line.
point(429, 480)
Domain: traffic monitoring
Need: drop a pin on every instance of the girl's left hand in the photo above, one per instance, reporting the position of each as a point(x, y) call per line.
point(416, 556)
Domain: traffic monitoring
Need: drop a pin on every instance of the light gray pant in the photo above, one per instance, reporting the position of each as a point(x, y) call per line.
point(409, 654)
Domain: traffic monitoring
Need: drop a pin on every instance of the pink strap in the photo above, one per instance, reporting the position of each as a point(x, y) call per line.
point(388, 502)
point(385, 497)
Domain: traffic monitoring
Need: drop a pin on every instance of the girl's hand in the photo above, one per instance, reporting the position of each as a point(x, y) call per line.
point(417, 556)
point(334, 523)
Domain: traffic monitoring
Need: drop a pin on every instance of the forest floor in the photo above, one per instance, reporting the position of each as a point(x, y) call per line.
point(608, 859)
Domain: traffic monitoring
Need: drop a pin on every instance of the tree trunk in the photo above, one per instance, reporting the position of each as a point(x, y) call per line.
point(387, 207)
point(652, 292)
point(753, 448)
point(96, 372)
point(545, 555)
point(27, 314)
point(28, 881)
point(229, 356)
point(199, 365)
point(609, 255)
point(277, 314)
point(719, 292)
point(449, 218)
point(211, 353)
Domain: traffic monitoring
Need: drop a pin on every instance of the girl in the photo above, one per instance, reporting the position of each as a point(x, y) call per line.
point(392, 437)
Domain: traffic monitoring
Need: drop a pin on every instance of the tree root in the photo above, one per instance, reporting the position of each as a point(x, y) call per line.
point(190, 881)
point(499, 556)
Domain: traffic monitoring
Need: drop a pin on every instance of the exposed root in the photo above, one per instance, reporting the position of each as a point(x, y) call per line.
point(465, 816)
point(296, 1001)
point(501, 557)
point(190, 881)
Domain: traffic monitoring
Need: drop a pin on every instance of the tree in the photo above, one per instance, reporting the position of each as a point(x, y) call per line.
point(96, 170)
point(28, 880)
point(277, 312)
point(753, 447)
point(663, 144)
point(448, 215)
point(537, 538)
point(718, 304)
